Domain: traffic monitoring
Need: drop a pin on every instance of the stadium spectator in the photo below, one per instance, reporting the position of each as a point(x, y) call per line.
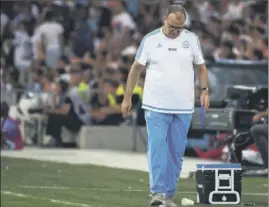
point(234, 10)
point(107, 112)
point(50, 40)
point(122, 24)
point(11, 136)
point(23, 51)
point(4, 21)
point(82, 38)
point(71, 112)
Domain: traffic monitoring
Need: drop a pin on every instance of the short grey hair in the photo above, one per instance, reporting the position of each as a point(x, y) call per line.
point(174, 9)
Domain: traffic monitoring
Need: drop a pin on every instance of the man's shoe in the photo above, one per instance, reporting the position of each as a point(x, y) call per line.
point(168, 202)
point(157, 199)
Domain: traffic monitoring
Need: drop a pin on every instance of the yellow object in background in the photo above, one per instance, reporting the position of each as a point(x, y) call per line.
point(137, 90)
point(83, 91)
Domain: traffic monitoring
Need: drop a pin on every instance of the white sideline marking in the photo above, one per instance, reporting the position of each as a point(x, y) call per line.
point(86, 189)
point(44, 199)
point(115, 190)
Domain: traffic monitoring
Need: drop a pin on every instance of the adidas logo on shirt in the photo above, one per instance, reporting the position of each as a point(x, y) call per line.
point(159, 45)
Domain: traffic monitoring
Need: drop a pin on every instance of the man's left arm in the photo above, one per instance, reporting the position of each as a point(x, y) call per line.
point(260, 115)
point(199, 62)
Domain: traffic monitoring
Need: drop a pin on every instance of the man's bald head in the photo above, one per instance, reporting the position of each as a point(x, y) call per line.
point(176, 12)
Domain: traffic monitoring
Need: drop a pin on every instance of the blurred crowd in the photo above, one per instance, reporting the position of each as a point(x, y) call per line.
point(42, 40)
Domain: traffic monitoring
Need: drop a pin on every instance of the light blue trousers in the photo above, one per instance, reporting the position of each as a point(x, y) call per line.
point(167, 139)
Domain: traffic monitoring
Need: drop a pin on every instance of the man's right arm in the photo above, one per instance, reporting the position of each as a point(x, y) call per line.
point(132, 79)
point(260, 115)
point(263, 113)
point(138, 65)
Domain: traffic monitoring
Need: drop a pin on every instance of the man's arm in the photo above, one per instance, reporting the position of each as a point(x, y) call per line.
point(132, 79)
point(141, 60)
point(63, 110)
point(260, 115)
point(203, 75)
point(204, 97)
point(264, 113)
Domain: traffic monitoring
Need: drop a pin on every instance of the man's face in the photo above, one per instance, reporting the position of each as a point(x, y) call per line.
point(76, 77)
point(174, 23)
point(117, 7)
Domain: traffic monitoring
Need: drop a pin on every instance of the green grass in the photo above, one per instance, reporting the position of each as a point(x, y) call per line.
point(91, 185)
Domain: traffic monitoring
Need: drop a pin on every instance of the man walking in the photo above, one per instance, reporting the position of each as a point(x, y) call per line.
point(169, 55)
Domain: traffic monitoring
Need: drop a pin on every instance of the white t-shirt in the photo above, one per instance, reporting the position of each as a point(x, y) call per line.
point(35, 39)
point(50, 31)
point(121, 21)
point(23, 54)
point(4, 20)
point(234, 11)
point(169, 84)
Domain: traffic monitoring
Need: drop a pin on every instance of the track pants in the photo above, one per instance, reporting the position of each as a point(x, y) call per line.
point(167, 139)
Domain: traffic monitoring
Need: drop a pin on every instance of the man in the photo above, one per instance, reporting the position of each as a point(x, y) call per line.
point(168, 54)
point(23, 52)
point(259, 132)
point(49, 39)
point(72, 112)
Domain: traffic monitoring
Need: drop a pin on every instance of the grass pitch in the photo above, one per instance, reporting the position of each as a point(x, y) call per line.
point(28, 183)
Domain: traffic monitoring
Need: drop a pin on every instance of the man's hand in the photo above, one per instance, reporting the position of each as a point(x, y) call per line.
point(126, 107)
point(204, 99)
point(256, 118)
point(260, 115)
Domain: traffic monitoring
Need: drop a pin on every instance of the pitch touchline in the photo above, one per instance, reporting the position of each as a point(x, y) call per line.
point(44, 199)
point(86, 189)
point(114, 190)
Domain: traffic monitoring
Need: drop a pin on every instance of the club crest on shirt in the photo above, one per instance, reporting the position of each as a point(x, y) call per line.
point(185, 44)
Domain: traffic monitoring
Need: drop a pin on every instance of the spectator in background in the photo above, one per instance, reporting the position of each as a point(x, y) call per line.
point(234, 10)
point(257, 34)
point(225, 51)
point(206, 9)
point(21, 13)
point(50, 40)
point(72, 112)
point(83, 87)
point(11, 136)
point(235, 38)
point(122, 21)
point(4, 21)
point(23, 54)
point(82, 37)
point(213, 27)
point(122, 24)
point(109, 111)
point(45, 79)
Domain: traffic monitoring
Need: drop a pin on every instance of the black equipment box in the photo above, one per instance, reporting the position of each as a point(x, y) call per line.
point(218, 183)
point(226, 119)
